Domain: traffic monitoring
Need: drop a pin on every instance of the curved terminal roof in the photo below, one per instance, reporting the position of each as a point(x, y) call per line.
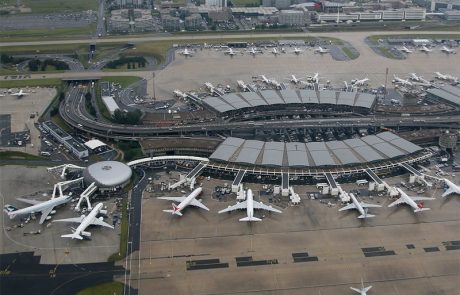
point(238, 101)
point(382, 146)
point(108, 173)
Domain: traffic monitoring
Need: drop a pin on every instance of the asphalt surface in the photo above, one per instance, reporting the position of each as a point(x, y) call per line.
point(23, 275)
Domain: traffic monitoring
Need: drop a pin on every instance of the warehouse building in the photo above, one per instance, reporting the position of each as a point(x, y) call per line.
point(66, 140)
point(447, 94)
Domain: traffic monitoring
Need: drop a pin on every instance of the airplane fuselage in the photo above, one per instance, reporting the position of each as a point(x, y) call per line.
point(188, 200)
point(88, 219)
point(249, 204)
point(39, 207)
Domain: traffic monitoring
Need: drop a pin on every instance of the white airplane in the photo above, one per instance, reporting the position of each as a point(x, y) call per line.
point(425, 49)
point(275, 51)
point(321, 50)
point(186, 52)
point(230, 51)
point(184, 202)
point(253, 51)
point(20, 93)
point(275, 83)
point(249, 204)
point(297, 50)
point(405, 49)
point(265, 79)
point(406, 199)
point(242, 85)
point(398, 80)
point(446, 77)
point(360, 207)
point(419, 80)
point(44, 207)
point(359, 82)
point(363, 290)
point(314, 78)
point(179, 94)
point(294, 79)
point(448, 50)
point(452, 188)
point(85, 221)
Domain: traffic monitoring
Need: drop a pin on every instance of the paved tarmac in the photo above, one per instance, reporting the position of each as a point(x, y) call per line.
point(213, 66)
point(338, 240)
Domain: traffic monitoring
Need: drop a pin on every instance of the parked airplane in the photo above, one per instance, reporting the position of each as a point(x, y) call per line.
point(363, 290)
point(419, 80)
point(294, 79)
point(314, 78)
point(275, 83)
point(44, 207)
point(297, 50)
point(265, 79)
point(398, 80)
point(405, 49)
point(360, 82)
point(20, 93)
point(321, 50)
point(446, 77)
point(184, 202)
point(242, 85)
point(186, 52)
point(425, 49)
point(452, 188)
point(360, 207)
point(179, 94)
point(230, 51)
point(448, 50)
point(406, 199)
point(85, 221)
point(249, 204)
point(275, 51)
point(253, 51)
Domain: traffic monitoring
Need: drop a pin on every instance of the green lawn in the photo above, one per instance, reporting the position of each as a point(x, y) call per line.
point(24, 35)
point(61, 123)
point(13, 155)
point(421, 35)
point(123, 234)
point(30, 83)
point(349, 53)
point(48, 6)
point(244, 3)
point(112, 288)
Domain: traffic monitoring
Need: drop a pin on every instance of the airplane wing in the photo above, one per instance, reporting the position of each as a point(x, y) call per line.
point(447, 192)
point(237, 206)
point(197, 203)
point(29, 201)
point(356, 290)
point(174, 199)
point(348, 207)
point(259, 205)
point(45, 213)
point(75, 219)
point(422, 198)
point(97, 221)
point(397, 202)
point(366, 205)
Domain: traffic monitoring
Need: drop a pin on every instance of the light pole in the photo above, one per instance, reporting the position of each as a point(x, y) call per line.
point(153, 84)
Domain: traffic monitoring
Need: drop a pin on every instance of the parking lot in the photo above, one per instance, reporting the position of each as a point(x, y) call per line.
point(209, 253)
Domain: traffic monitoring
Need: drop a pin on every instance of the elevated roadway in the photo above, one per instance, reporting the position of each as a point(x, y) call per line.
point(74, 113)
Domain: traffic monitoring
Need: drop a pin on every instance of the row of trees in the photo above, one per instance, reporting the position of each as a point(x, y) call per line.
point(38, 65)
point(130, 117)
point(6, 59)
point(89, 104)
point(131, 61)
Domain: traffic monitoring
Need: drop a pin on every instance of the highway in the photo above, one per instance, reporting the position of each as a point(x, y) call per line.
point(74, 112)
point(191, 37)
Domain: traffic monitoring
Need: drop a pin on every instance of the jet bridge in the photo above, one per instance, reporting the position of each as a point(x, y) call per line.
point(285, 184)
point(379, 184)
point(416, 175)
point(332, 184)
point(192, 97)
point(237, 181)
point(190, 178)
point(61, 186)
point(64, 168)
point(85, 195)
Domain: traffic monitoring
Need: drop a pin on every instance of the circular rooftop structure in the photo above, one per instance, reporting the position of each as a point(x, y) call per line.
point(108, 174)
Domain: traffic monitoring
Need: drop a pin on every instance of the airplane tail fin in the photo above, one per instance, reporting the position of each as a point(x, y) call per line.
point(421, 209)
point(366, 216)
point(175, 210)
point(250, 219)
point(73, 236)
